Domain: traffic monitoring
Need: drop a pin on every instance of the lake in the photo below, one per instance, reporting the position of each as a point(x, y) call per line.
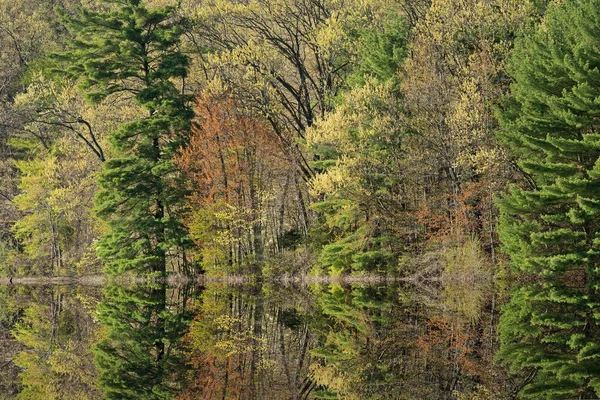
point(252, 340)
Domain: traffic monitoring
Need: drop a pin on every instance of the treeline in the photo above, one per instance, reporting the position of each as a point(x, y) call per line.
point(337, 136)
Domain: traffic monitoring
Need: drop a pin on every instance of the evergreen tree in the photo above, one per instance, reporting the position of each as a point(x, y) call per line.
point(551, 230)
point(134, 50)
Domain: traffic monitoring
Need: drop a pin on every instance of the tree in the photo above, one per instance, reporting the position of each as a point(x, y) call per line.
point(233, 168)
point(285, 58)
point(452, 79)
point(551, 228)
point(360, 146)
point(27, 33)
point(359, 158)
point(133, 50)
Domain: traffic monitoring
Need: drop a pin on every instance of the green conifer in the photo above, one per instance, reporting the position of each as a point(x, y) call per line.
point(133, 50)
point(551, 230)
point(140, 356)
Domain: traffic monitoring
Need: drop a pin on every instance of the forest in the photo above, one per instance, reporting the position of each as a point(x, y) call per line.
point(338, 136)
point(449, 143)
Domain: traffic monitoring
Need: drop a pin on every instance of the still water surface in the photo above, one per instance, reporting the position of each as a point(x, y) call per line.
point(260, 341)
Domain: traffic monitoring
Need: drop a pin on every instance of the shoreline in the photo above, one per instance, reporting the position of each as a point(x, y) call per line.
point(178, 280)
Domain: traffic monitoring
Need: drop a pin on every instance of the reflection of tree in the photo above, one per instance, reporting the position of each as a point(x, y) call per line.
point(9, 347)
point(246, 345)
point(57, 329)
point(386, 343)
point(367, 345)
point(139, 358)
point(359, 342)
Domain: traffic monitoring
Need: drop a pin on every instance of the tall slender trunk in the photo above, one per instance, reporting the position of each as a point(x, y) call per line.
point(159, 214)
point(256, 336)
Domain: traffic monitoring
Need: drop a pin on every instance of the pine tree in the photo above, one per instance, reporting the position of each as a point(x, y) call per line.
point(551, 230)
point(134, 50)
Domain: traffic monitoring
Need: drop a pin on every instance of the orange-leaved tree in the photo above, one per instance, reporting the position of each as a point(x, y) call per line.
point(234, 167)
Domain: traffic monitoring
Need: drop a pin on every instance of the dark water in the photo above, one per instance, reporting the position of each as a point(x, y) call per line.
point(262, 341)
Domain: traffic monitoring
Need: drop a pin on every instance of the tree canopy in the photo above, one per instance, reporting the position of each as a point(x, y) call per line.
point(133, 51)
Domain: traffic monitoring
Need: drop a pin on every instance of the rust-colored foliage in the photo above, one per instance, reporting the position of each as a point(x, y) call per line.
point(215, 373)
point(466, 213)
point(450, 342)
point(234, 165)
point(213, 377)
point(228, 152)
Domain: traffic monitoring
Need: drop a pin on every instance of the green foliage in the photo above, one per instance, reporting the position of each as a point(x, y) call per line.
point(358, 156)
point(551, 231)
point(352, 360)
point(359, 148)
point(139, 359)
point(133, 49)
point(381, 52)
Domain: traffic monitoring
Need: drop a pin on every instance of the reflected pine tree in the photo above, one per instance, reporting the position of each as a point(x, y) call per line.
point(547, 337)
point(140, 357)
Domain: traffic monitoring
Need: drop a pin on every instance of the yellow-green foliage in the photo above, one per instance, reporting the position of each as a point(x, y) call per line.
point(454, 77)
point(359, 147)
point(26, 32)
point(58, 180)
point(343, 383)
point(57, 191)
point(220, 228)
point(290, 75)
point(482, 393)
point(238, 340)
point(466, 275)
point(357, 131)
point(220, 330)
point(57, 362)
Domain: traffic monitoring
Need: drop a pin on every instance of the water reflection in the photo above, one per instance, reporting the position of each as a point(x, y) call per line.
point(250, 343)
point(264, 341)
point(140, 356)
point(52, 332)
